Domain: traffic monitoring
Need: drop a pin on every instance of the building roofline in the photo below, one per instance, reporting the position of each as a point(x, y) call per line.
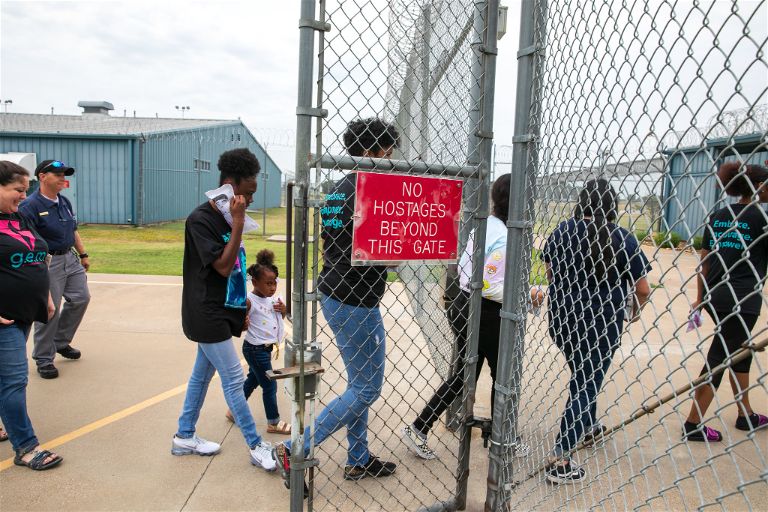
point(124, 136)
point(749, 138)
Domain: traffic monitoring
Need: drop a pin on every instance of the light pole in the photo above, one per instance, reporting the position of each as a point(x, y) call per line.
point(183, 110)
point(5, 105)
point(264, 192)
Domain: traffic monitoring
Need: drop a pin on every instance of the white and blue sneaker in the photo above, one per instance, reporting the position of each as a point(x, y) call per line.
point(194, 446)
point(261, 455)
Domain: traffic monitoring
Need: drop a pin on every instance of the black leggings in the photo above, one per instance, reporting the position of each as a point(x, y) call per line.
point(731, 336)
point(488, 349)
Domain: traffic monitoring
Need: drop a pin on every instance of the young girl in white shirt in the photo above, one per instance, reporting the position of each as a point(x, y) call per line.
point(265, 330)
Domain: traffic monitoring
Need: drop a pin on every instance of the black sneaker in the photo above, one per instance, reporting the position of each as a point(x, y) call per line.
point(69, 352)
point(568, 473)
point(48, 371)
point(375, 468)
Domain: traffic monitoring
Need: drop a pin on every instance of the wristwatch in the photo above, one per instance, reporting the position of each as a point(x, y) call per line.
point(83, 255)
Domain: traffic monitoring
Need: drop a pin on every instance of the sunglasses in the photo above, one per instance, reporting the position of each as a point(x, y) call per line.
point(55, 164)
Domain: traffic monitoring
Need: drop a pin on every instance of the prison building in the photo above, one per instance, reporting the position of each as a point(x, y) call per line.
point(691, 188)
point(134, 170)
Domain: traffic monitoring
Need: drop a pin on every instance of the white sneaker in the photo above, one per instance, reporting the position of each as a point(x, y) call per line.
point(417, 443)
point(261, 456)
point(194, 445)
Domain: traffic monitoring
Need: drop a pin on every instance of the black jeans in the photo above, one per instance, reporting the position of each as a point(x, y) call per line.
point(488, 350)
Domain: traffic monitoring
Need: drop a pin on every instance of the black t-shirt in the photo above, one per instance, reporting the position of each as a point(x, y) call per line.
point(730, 232)
point(204, 317)
point(356, 286)
point(23, 271)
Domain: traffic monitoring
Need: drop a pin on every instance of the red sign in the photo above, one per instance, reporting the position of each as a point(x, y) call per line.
point(405, 218)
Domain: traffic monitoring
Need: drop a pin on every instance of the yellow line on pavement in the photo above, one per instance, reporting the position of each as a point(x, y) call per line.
point(103, 422)
point(112, 418)
point(131, 283)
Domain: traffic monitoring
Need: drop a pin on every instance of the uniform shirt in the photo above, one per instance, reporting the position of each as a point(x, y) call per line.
point(729, 233)
point(54, 220)
point(574, 288)
point(495, 259)
point(204, 317)
point(266, 325)
point(356, 286)
point(23, 271)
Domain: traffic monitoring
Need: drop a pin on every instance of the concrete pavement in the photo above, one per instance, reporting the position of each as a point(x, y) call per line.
point(111, 415)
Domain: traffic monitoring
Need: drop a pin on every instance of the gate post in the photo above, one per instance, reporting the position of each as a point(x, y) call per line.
point(480, 149)
point(512, 333)
point(304, 114)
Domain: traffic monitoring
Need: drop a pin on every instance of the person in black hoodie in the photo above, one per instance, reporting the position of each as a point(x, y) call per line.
point(349, 299)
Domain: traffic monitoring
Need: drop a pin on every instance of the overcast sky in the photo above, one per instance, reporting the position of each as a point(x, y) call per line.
point(225, 59)
point(229, 59)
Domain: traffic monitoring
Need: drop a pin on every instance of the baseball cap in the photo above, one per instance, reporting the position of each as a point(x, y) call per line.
point(54, 166)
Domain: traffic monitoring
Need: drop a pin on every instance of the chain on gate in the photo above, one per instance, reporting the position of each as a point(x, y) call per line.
point(643, 384)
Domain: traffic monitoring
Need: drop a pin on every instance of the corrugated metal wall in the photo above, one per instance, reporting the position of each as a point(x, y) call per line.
point(101, 188)
point(110, 186)
point(692, 190)
point(179, 167)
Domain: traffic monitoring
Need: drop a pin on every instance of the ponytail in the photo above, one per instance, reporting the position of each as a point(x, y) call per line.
point(265, 259)
point(598, 200)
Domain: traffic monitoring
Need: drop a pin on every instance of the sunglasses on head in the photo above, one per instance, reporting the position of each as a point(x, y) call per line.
point(55, 164)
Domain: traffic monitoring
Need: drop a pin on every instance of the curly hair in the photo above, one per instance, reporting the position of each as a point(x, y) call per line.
point(265, 259)
point(741, 180)
point(238, 164)
point(372, 135)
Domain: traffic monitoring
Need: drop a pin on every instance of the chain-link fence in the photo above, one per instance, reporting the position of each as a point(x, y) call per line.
point(652, 98)
point(403, 87)
point(625, 113)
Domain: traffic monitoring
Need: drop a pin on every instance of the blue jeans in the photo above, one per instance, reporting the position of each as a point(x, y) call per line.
point(259, 363)
point(588, 346)
point(14, 371)
point(360, 338)
point(221, 357)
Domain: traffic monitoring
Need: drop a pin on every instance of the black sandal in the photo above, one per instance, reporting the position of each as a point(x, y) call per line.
point(37, 463)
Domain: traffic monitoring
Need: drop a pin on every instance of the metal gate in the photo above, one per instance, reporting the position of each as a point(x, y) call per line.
point(426, 70)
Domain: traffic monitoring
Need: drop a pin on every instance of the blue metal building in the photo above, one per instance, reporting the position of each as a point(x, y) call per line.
point(136, 170)
point(691, 188)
